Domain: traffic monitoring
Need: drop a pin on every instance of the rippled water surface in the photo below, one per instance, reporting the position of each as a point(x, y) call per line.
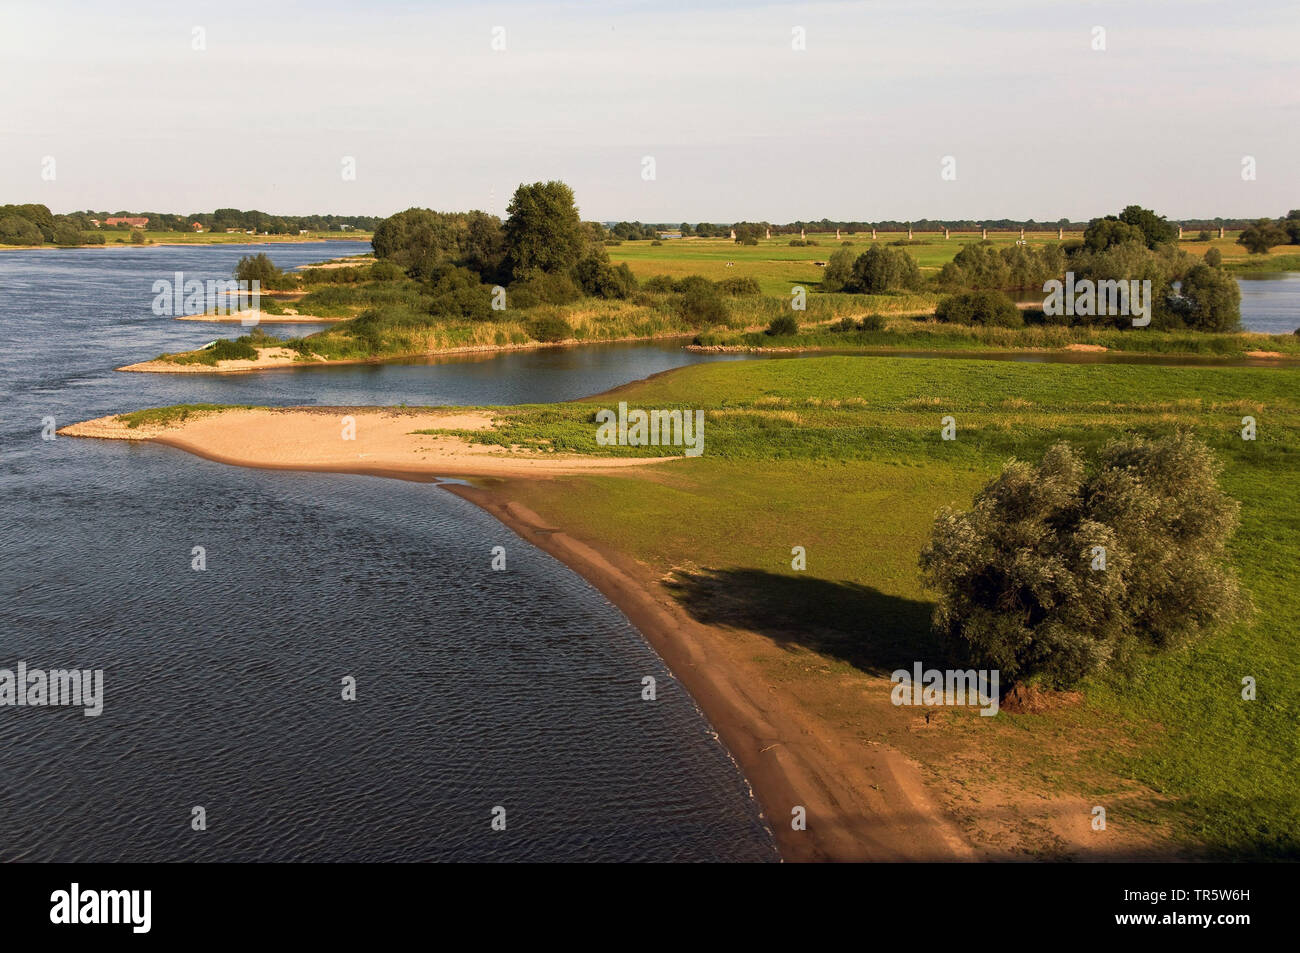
point(475, 689)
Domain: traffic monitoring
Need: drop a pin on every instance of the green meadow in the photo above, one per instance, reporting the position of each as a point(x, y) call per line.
point(843, 455)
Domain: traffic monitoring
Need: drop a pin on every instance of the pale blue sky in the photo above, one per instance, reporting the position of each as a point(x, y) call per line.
point(740, 125)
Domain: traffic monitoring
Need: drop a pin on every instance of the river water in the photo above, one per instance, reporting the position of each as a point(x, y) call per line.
point(223, 688)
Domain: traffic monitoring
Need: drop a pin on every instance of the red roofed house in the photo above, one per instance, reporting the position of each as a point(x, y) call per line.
point(133, 222)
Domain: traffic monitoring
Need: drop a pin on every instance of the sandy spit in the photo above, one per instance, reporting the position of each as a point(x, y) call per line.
point(379, 441)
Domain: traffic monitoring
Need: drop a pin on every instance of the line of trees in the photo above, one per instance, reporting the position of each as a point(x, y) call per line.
point(35, 224)
point(1137, 244)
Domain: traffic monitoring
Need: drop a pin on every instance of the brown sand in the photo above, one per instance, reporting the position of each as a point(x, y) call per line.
point(862, 802)
point(288, 317)
point(384, 442)
point(267, 357)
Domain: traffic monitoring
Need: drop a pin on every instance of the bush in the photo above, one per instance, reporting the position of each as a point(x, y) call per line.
point(598, 278)
point(871, 322)
point(880, 269)
point(542, 288)
point(550, 328)
point(240, 349)
point(844, 324)
point(258, 268)
point(989, 308)
point(659, 284)
point(1209, 300)
point(1214, 258)
point(739, 287)
point(386, 271)
point(838, 272)
point(783, 325)
point(1020, 585)
point(699, 303)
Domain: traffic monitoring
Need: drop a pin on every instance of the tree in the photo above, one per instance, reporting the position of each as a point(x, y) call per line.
point(1154, 228)
point(989, 308)
point(1213, 257)
point(1210, 300)
point(700, 303)
point(1262, 236)
point(598, 278)
point(258, 268)
point(1103, 233)
point(1054, 573)
point(419, 240)
point(880, 269)
point(543, 231)
point(839, 270)
point(16, 230)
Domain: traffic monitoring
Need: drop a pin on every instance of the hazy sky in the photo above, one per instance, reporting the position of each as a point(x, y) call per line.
point(740, 124)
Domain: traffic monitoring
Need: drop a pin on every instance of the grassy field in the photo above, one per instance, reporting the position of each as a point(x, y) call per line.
point(843, 456)
point(776, 265)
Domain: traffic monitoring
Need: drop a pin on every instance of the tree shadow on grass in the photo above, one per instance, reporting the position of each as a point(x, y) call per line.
point(862, 626)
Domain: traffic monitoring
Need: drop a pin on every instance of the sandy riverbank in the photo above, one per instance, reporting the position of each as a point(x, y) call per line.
point(273, 358)
point(372, 440)
point(863, 802)
point(254, 319)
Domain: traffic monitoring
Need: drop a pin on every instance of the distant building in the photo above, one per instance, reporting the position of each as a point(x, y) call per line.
point(134, 222)
point(302, 231)
point(196, 226)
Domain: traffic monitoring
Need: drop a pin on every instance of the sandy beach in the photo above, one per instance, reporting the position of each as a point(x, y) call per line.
point(382, 442)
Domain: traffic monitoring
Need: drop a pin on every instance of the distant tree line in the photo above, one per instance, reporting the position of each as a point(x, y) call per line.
point(37, 225)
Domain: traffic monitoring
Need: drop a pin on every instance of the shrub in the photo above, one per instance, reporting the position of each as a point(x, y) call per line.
point(541, 288)
point(659, 284)
point(1209, 300)
point(845, 324)
point(598, 278)
point(386, 271)
point(550, 328)
point(699, 302)
point(1214, 258)
point(240, 349)
point(838, 272)
point(1020, 585)
point(258, 268)
point(739, 287)
point(871, 322)
point(880, 269)
point(989, 308)
point(783, 325)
